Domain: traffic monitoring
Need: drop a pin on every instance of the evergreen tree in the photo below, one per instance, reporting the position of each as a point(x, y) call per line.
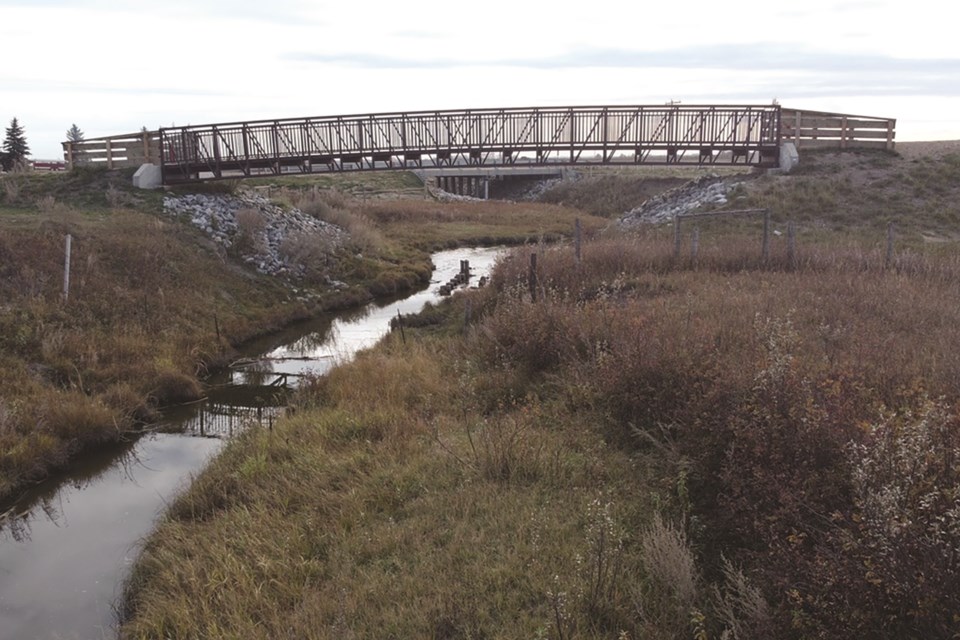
point(15, 146)
point(74, 134)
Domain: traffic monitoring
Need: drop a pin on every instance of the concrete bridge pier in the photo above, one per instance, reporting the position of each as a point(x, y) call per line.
point(461, 185)
point(487, 182)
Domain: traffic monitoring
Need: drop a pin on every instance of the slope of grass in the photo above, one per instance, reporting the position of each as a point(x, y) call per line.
point(862, 192)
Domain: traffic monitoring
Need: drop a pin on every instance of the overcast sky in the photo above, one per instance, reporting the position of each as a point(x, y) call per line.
point(113, 66)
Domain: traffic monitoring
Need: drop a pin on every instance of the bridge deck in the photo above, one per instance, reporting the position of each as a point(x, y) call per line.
point(691, 135)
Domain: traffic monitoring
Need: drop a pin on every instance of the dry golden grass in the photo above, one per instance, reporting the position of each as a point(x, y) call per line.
point(652, 449)
point(136, 331)
point(394, 515)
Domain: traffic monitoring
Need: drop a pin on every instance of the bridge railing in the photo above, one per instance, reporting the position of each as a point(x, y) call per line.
point(114, 152)
point(672, 134)
point(608, 135)
point(821, 129)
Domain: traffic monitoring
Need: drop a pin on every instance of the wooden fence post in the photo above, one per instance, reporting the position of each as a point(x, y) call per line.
point(695, 243)
point(533, 277)
point(403, 336)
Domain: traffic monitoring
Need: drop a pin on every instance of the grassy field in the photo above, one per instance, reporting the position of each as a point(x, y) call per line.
point(154, 304)
point(654, 448)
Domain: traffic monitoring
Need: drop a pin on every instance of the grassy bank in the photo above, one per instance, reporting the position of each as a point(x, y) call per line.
point(657, 448)
point(146, 302)
point(654, 449)
point(154, 304)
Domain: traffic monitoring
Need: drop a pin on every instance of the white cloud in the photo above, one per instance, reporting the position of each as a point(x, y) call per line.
point(113, 67)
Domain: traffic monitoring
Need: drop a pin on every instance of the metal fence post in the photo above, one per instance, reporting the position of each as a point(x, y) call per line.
point(533, 277)
point(766, 236)
point(676, 236)
point(577, 239)
point(66, 269)
point(791, 245)
point(889, 257)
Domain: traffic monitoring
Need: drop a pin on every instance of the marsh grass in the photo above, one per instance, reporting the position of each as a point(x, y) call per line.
point(489, 480)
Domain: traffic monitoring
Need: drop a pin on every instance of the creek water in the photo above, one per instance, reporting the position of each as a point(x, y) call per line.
point(67, 545)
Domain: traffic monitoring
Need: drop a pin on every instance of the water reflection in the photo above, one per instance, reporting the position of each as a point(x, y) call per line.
point(224, 420)
point(64, 553)
point(45, 501)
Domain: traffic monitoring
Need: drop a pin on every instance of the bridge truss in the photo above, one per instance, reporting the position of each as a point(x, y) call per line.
point(611, 135)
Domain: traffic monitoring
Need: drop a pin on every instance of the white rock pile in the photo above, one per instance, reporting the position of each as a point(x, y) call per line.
point(707, 191)
point(217, 216)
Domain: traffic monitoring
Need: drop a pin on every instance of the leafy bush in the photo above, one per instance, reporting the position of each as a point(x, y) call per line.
point(901, 541)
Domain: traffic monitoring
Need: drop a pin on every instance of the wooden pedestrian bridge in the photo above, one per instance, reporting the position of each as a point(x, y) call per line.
point(506, 138)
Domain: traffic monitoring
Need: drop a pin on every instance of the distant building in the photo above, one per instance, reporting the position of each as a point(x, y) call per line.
point(48, 165)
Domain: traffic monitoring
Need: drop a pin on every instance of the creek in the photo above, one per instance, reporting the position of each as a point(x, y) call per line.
point(67, 545)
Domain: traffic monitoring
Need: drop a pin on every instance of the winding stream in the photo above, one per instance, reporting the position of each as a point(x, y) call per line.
point(67, 545)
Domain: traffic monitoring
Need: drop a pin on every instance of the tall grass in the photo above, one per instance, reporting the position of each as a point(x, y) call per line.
point(654, 448)
point(136, 332)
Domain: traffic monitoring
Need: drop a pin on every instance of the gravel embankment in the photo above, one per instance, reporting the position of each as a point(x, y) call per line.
point(264, 228)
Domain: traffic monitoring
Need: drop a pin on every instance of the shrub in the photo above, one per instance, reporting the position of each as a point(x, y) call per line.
point(670, 590)
point(740, 609)
point(310, 250)
point(900, 543)
point(170, 387)
point(249, 235)
point(11, 189)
